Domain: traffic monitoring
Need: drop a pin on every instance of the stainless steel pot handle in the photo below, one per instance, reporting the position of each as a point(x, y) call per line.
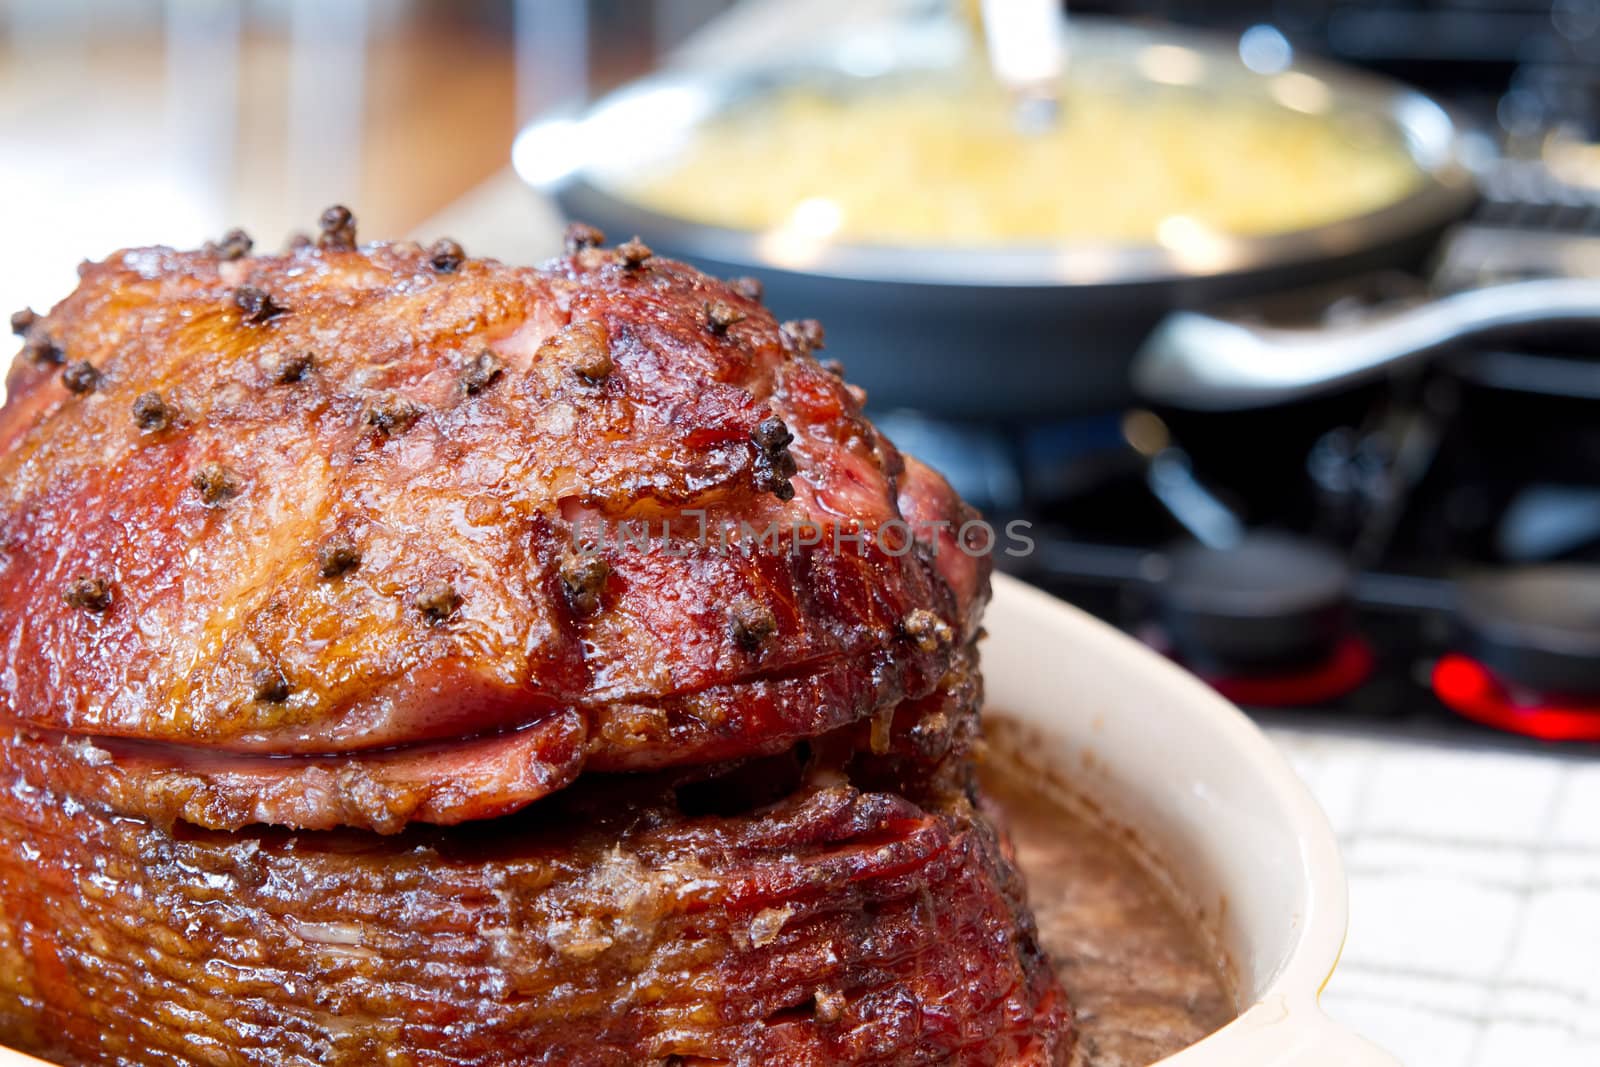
point(1203, 363)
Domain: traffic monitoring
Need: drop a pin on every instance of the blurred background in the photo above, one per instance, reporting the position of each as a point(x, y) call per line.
point(1278, 320)
point(141, 121)
point(125, 121)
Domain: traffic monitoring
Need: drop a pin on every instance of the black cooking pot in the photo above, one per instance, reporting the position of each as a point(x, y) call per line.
point(1013, 332)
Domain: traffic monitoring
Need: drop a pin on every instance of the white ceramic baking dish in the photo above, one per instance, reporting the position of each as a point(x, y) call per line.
point(1205, 791)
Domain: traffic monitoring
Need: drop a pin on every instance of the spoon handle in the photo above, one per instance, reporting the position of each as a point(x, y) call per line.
point(1027, 52)
point(1198, 361)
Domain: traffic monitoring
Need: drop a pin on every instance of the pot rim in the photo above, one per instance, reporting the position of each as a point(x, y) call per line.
point(569, 153)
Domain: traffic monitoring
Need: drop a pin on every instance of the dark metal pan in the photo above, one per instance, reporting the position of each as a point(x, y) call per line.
point(1007, 333)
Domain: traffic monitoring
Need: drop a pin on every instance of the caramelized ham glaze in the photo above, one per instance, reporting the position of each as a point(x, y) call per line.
point(324, 505)
point(344, 721)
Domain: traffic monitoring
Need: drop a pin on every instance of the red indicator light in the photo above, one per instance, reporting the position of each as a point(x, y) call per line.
point(1471, 690)
point(1345, 668)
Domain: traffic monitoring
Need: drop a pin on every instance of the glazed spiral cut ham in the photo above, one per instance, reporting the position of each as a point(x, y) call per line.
point(337, 573)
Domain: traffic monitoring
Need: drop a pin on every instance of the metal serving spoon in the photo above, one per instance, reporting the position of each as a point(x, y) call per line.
point(1027, 53)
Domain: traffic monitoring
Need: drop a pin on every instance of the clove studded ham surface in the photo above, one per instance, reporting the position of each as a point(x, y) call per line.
point(417, 661)
point(322, 505)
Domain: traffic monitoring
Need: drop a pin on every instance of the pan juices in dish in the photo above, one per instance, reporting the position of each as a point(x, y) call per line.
point(343, 727)
point(1145, 981)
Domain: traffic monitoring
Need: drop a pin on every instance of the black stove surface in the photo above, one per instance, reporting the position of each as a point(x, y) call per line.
point(1419, 556)
point(1429, 488)
point(1532, 65)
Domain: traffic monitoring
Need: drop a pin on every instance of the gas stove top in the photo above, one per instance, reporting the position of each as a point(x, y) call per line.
point(1420, 554)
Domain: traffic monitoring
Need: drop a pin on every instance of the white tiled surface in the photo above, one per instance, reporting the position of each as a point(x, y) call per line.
point(1474, 899)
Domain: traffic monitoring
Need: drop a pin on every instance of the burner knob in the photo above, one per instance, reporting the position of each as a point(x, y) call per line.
point(1267, 622)
point(1529, 658)
point(1271, 601)
point(1535, 628)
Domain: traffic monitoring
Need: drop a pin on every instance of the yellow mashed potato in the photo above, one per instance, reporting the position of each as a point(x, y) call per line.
point(914, 165)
